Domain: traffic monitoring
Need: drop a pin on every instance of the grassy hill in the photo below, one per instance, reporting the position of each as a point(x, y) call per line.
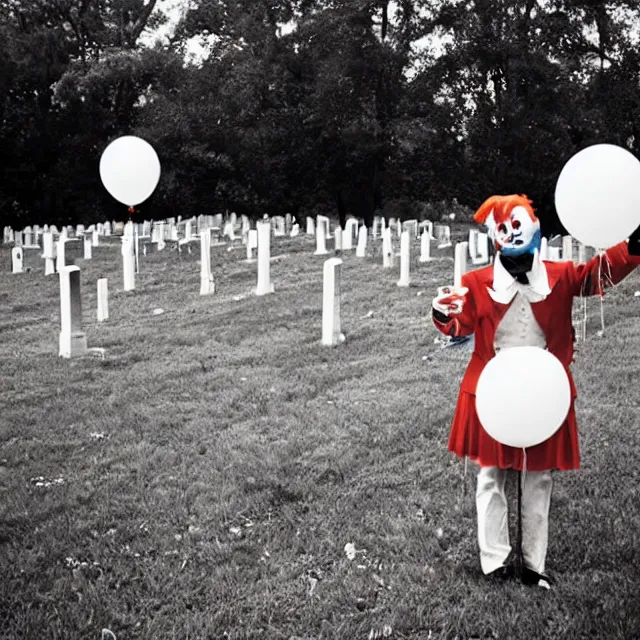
point(203, 478)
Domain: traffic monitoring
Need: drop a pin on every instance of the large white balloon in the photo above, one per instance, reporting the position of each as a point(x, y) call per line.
point(130, 170)
point(598, 195)
point(523, 396)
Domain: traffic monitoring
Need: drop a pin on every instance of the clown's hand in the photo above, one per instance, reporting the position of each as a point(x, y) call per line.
point(449, 300)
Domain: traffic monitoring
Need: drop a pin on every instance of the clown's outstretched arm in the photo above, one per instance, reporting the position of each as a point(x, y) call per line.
point(453, 311)
point(593, 277)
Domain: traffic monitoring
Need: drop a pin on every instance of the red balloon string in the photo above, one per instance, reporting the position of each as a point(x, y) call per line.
point(131, 210)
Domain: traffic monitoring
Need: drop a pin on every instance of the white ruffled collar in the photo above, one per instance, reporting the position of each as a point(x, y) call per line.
point(505, 286)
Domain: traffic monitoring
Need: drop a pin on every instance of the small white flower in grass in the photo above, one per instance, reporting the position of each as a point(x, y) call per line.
point(236, 531)
point(439, 532)
point(369, 314)
point(350, 550)
point(419, 293)
point(157, 312)
point(98, 436)
point(243, 379)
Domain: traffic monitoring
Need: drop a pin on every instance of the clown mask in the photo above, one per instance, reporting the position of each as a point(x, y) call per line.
point(511, 223)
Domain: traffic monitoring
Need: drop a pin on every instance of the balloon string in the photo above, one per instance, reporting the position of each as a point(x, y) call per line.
point(524, 465)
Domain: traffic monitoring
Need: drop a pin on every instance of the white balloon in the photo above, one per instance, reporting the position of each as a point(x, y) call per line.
point(598, 195)
point(523, 396)
point(130, 170)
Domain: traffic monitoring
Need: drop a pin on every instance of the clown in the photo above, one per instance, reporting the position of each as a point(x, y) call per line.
point(520, 300)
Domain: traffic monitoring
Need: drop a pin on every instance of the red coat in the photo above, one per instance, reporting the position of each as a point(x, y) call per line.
point(481, 315)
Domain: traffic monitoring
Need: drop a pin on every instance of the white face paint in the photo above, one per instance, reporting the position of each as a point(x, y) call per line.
point(515, 234)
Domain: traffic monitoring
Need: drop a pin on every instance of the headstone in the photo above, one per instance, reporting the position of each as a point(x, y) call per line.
point(473, 244)
point(17, 265)
point(405, 248)
point(582, 253)
point(136, 249)
point(310, 226)
point(411, 226)
point(361, 249)
point(326, 222)
point(103, 300)
point(94, 238)
point(17, 238)
point(60, 257)
point(425, 246)
point(460, 263)
point(252, 243)
point(28, 236)
point(567, 248)
point(321, 238)
point(375, 226)
point(279, 227)
point(264, 285)
point(483, 248)
point(443, 235)
point(337, 239)
point(399, 228)
point(287, 222)
point(331, 334)
point(544, 249)
point(207, 285)
point(73, 341)
point(349, 234)
point(387, 249)
point(107, 228)
point(295, 230)
point(128, 263)
point(554, 254)
point(48, 253)
point(187, 230)
point(87, 247)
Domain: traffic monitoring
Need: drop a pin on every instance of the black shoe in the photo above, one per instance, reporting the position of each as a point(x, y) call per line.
point(533, 579)
point(505, 572)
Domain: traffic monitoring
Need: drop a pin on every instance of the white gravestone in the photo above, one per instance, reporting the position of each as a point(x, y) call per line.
point(103, 300)
point(107, 228)
point(387, 249)
point(567, 248)
point(17, 265)
point(252, 243)
point(425, 246)
point(48, 253)
point(443, 233)
point(295, 230)
point(264, 285)
point(311, 229)
point(87, 247)
point(207, 286)
point(60, 257)
point(554, 254)
point(331, 334)
point(374, 228)
point(17, 239)
point(95, 238)
point(337, 239)
point(326, 222)
point(460, 263)
point(350, 231)
point(544, 249)
point(483, 248)
point(73, 341)
point(405, 258)
point(411, 226)
point(321, 238)
point(28, 236)
point(582, 253)
point(361, 248)
point(473, 244)
point(128, 263)
point(399, 228)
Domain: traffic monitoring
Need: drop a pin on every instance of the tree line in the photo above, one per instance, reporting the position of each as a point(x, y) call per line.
point(410, 108)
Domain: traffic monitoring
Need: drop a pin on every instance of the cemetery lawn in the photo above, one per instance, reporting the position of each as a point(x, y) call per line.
point(202, 480)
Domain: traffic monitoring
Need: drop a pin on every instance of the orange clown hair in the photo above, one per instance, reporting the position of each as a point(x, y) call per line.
point(502, 206)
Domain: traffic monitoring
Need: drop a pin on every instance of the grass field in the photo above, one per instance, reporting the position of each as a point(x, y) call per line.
point(202, 480)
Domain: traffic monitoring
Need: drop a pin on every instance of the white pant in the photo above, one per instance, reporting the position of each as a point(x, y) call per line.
point(493, 522)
